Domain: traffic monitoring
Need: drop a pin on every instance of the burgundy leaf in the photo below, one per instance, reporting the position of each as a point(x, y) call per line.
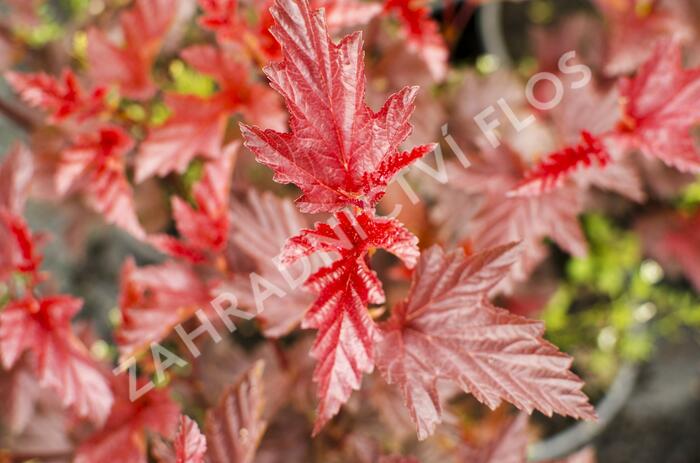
point(447, 330)
point(235, 426)
point(260, 229)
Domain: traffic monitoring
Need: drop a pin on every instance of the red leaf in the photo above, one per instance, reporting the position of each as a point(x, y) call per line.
point(500, 219)
point(551, 172)
point(336, 140)
point(447, 330)
point(207, 226)
point(423, 34)
point(195, 128)
point(238, 92)
point(343, 345)
point(18, 245)
point(190, 444)
point(204, 229)
point(597, 112)
point(197, 125)
point(260, 229)
point(62, 362)
point(16, 172)
point(129, 66)
point(660, 109)
point(219, 15)
point(123, 437)
point(377, 181)
point(153, 300)
point(60, 98)
point(509, 446)
point(230, 24)
point(235, 427)
point(95, 165)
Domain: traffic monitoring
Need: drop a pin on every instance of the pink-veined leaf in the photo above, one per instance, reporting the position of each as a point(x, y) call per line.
point(448, 330)
point(16, 173)
point(556, 167)
point(343, 346)
point(128, 66)
point(190, 444)
point(124, 436)
point(95, 164)
point(235, 426)
point(659, 110)
point(60, 98)
point(336, 140)
point(260, 228)
point(20, 391)
point(63, 364)
point(153, 300)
